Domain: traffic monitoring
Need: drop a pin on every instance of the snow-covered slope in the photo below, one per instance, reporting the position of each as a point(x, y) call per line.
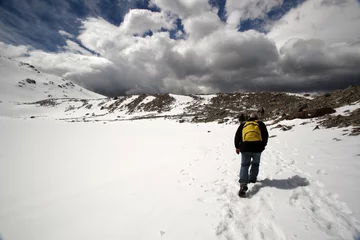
point(158, 179)
point(22, 82)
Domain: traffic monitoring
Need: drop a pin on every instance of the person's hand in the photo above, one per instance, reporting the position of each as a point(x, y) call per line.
point(237, 150)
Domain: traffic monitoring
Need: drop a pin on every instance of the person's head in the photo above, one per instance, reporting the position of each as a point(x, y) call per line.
point(254, 115)
point(241, 118)
point(261, 111)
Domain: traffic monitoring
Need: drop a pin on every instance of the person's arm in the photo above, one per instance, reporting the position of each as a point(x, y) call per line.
point(238, 137)
point(264, 134)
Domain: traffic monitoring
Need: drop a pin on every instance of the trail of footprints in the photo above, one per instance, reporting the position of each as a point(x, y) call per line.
point(324, 211)
point(255, 217)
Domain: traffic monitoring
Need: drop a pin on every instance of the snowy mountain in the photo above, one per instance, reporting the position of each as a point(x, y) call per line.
point(22, 82)
point(76, 165)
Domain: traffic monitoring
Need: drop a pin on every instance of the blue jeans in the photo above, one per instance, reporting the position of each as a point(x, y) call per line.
point(245, 164)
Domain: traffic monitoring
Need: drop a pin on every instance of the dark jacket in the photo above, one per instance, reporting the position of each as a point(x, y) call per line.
point(251, 146)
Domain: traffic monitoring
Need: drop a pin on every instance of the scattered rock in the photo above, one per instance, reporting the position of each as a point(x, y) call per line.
point(70, 108)
point(181, 120)
point(277, 126)
point(134, 105)
point(30, 81)
point(336, 139)
point(100, 104)
point(302, 107)
point(32, 117)
point(355, 132)
point(311, 113)
point(46, 103)
point(317, 127)
point(286, 128)
point(161, 103)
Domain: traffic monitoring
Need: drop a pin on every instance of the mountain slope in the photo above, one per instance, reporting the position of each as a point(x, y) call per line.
point(22, 82)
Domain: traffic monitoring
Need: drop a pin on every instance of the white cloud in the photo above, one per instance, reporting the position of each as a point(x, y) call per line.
point(66, 34)
point(248, 9)
point(202, 25)
point(183, 8)
point(139, 21)
point(12, 51)
point(73, 47)
point(328, 20)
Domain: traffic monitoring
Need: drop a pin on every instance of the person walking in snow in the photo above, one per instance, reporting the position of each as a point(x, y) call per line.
point(250, 139)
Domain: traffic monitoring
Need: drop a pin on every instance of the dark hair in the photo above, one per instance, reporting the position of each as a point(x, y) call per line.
point(241, 117)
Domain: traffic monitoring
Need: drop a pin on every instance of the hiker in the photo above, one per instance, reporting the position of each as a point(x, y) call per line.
point(250, 139)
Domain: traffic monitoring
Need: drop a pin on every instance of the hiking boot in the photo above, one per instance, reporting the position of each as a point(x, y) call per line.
point(252, 181)
point(243, 189)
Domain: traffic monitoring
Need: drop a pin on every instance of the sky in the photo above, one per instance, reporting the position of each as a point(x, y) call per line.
point(117, 47)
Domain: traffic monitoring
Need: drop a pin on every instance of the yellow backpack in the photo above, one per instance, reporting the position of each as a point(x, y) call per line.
point(251, 132)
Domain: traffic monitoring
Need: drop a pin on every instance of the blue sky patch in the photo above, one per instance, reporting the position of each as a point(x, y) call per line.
point(274, 14)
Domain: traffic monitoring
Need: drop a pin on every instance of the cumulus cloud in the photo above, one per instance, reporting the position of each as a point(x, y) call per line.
point(183, 8)
point(248, 9)
point(12, 51)
point(302, 52)
point(139, 21)
point(328, 20)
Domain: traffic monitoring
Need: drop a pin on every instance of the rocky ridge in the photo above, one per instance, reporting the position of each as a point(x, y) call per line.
point(222, 107)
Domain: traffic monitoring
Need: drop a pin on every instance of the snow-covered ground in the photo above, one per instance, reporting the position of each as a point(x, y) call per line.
point(97, 178)
point(158, 179)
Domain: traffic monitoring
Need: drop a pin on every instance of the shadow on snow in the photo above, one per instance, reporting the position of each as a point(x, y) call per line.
point(286, 184)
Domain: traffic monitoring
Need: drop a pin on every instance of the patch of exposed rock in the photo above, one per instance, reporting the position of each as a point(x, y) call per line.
point(161, 103)
point(134, 105)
